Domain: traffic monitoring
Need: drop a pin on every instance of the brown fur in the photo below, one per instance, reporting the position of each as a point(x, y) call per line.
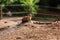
point(26, 19)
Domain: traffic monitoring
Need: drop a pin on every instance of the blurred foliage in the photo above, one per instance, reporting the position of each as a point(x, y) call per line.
point(7, 2)
point(30, 5)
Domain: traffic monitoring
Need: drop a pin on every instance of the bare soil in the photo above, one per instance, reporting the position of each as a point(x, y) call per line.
point(29, 31)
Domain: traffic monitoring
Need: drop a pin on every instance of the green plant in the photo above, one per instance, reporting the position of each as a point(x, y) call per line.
point(30, 5)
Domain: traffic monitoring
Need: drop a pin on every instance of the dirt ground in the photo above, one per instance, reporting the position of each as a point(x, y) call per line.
point(29, 31)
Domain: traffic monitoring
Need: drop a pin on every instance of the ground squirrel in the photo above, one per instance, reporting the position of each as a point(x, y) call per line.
point(27, 18)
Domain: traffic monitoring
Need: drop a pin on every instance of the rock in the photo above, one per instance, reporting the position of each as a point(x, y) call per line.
point(18, 38)
point(32, 26)
point(5, 22)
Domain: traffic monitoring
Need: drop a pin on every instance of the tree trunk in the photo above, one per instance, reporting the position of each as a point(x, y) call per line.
point(0, 12)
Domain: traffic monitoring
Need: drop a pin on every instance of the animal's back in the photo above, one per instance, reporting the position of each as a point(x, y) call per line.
point(26, 19)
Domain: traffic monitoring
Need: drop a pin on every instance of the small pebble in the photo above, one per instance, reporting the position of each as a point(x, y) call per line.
point(5, 22)
point(8, 26)
point(53, 28)
point(55, 34)
point(32, 26)
point(18, 38)
point(25, 25)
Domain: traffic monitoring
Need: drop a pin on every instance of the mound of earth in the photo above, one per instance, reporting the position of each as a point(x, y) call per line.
point(31, 31)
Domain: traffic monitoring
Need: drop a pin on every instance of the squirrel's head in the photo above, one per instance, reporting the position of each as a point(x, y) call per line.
point(29, 15)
